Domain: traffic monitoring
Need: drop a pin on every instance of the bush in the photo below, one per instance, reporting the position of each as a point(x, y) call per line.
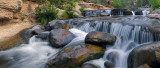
point(46, 13)
point(119, 3)
point(82, 9)
point(154, 4)
point(69, 12)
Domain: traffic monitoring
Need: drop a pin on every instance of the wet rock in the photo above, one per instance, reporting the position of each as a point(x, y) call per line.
point(112, 57)
point(137, 11)
point(43, 35)
point(108, 64)
point(88, 65)
point(120, 11)
point(144, 66)
point(100, 38)
point(28, 33)
point(74, 56)
point(56, 24)
point(37, 29)
point(60, 37)
point(145, 54)
point(104, 14)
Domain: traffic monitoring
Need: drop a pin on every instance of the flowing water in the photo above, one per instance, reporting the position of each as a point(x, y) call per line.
point(37, 52)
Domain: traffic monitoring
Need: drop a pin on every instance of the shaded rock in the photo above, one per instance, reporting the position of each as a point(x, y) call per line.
point(43, 35)
point(60, 37)
point(56, 24)
point(112, 57)
point(109, 64)
point(9, 7)
point(28, 33)
point(87, 65)
point(144, 66)
point(120, 11)
point(145, 54)
point(99, 38)
point(138, 11)
point(37, 29)
point(74, 56)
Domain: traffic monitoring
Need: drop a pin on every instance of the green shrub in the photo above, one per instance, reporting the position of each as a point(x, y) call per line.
point(22, 15)
point(119, 3)
point(46, 13)
point(61, 3)
point(82, 9)
point(69, 12)
point(154, 4)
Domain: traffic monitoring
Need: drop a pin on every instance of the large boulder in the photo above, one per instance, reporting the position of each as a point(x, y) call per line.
point(145, 54)
point(44, 35)
point(8, 8)
point(60, 37)
point(99, 38)
point(88, 65)
point(75, 56)
point(144, 66)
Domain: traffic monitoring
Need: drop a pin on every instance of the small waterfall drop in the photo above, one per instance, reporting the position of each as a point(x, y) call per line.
point(133, 13)
point(145, 12)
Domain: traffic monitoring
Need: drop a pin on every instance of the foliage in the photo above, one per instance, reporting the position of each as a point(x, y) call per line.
point(69, 12)
point(22, 15)
point(61, 3)
point(154, 4)
point(82, 9)
point(119, 3)
point(46, 13)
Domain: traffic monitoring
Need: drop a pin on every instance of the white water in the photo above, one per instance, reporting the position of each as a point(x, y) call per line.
point(145, 12)
point(133, 13)
point(37, 52)
point(32, 55)
point(128, 37)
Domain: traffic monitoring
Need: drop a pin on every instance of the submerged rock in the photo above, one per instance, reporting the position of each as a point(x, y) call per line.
point(60, 37)
point(88, 65)
point(74, 56)
point(109, 64)
point(100, 38)
point(145, 54)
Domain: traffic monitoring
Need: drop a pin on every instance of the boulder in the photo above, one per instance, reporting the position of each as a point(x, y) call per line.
point(60, 37)
point(88, 65)
point(8, 8)
point(74, 56)
point(144, 66)
point(145, 54)
point(100, 38)
point(56, 24)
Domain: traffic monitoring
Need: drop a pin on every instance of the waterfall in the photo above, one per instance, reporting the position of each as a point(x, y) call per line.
point(128, 37)
point(133, 13)
point(145, 12)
